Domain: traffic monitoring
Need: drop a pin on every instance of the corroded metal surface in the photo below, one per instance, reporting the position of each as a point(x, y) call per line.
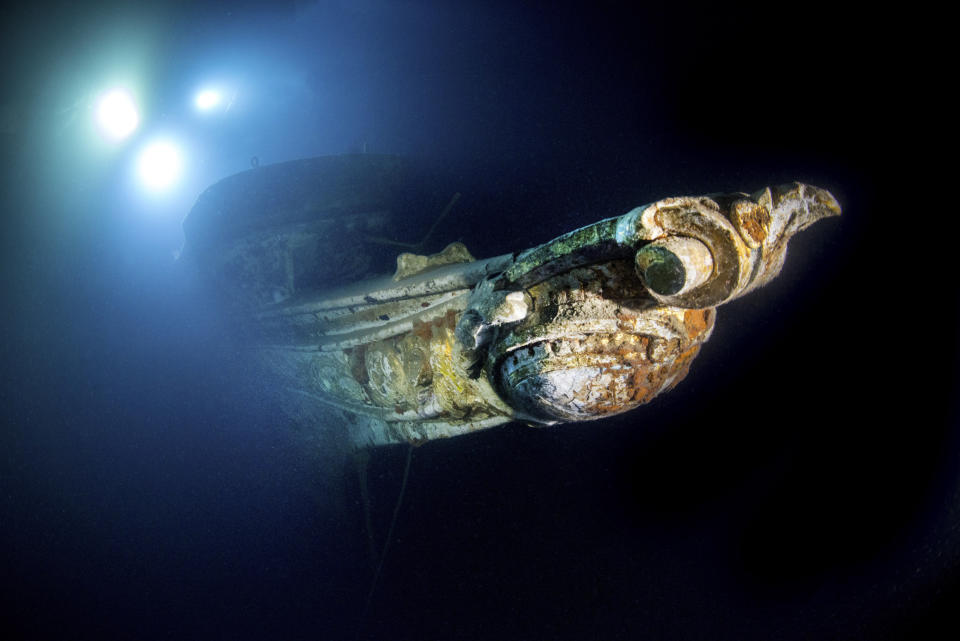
point(593, 323)
point(595, 344)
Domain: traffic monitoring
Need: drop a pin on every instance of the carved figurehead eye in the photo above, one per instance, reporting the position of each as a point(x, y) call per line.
point(674, 266)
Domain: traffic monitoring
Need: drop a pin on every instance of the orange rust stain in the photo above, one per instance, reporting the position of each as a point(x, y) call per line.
point(753, 219)
point(682, 365)
point(450, 318)
point(640, 394)
point(647, 382)
point(424, 329)
point(697, 321)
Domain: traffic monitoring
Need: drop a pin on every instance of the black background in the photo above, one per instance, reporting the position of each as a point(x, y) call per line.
point(802, 483)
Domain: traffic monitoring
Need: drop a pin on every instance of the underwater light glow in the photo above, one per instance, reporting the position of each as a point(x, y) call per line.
point(117, 115)
point(160, 165)
point(207, 99)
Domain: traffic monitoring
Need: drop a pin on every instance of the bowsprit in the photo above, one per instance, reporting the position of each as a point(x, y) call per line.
point(593, 323)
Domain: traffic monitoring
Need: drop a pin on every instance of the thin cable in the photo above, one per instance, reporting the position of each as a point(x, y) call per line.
point(418, 246)
point(386, 544)
point(362, 461)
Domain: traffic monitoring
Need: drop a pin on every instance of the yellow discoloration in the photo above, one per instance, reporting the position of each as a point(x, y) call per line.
point(409, 264)
point(590, 339)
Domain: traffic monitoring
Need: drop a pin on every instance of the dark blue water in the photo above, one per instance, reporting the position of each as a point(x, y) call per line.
point(802, 483)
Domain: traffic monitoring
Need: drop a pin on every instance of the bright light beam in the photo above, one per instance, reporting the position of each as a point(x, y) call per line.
point(160, 165)
point(117, 115)
point(208, 99)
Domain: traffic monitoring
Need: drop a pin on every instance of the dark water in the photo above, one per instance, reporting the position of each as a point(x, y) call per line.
point(802, 483)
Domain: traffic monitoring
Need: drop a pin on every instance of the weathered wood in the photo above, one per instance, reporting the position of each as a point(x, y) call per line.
point(591, 324)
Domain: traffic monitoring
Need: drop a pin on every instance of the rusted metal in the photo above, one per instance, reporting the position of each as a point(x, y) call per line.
point(591, 324)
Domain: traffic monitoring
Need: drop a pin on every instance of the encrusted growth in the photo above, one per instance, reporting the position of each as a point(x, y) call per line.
point(596, 322)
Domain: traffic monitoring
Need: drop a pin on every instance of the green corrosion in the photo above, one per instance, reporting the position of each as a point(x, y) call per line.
point(579, 247)
point(661, 270)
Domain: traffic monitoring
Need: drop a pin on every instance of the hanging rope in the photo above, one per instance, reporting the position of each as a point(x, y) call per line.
point(382, 240)
point(361, 459)
point(386, 543)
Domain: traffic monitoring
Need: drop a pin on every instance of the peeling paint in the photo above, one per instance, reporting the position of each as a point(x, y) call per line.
point(565, 331)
